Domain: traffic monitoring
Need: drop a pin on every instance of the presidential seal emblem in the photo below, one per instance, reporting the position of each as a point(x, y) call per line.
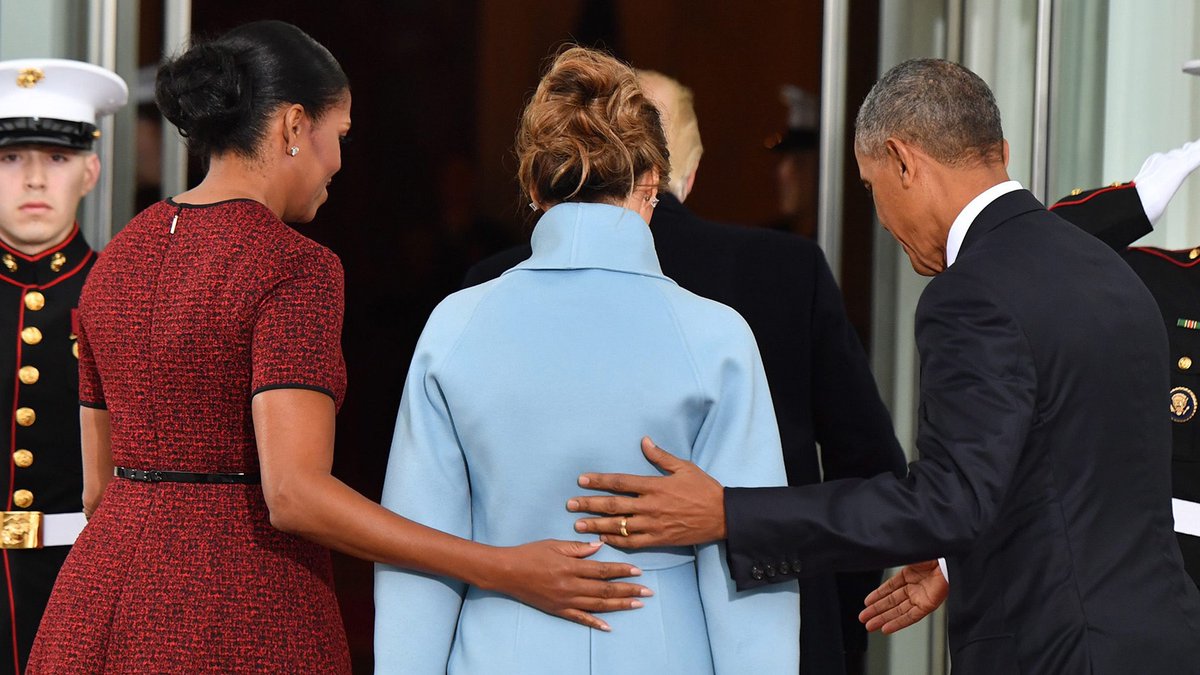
point(1183, 404)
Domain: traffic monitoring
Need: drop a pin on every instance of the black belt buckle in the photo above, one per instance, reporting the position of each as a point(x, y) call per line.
point(139, 475)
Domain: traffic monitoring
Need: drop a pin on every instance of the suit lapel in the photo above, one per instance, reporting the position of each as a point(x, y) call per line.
point(1003, 208)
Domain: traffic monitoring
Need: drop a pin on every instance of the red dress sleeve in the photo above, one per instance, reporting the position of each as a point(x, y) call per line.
point(298, 330)
point(91, 392)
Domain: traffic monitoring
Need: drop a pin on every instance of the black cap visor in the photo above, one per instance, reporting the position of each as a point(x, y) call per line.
point(46, 131)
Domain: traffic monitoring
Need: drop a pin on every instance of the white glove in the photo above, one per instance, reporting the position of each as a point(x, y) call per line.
point(1161, 175)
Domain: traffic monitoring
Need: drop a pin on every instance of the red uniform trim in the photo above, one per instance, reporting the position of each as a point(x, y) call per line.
point(12, 613)
point(1101, 191)
point(67, 275)
point(12, 415)
point(12, 475)
point(50, 251)
point(1163, 254)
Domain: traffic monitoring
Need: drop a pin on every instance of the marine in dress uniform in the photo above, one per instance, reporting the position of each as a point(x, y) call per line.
point(48, 110)
point(1117, 216)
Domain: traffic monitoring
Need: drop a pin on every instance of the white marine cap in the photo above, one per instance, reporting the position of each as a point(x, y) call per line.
point(56, 101)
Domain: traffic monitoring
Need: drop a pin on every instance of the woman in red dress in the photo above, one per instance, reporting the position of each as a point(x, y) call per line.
point(211, 371)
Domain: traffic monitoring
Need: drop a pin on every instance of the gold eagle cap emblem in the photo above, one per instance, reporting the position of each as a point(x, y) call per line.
point(28, 77)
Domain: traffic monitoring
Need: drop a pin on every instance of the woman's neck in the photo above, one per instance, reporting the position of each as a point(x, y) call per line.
point(233, 177)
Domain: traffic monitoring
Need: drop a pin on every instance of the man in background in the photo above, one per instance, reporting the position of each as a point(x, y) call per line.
point(48, 111)
point(798, 155)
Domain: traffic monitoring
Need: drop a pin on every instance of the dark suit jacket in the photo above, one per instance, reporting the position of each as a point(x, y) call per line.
point(818, 373)
point(1045, 465)
point(1115, 214)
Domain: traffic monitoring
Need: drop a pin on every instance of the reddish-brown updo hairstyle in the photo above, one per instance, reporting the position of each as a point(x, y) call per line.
point(588, 132)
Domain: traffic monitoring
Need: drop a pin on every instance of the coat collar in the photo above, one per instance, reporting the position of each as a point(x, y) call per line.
point(47, 267)
point(593, 236)
point(1003, 208)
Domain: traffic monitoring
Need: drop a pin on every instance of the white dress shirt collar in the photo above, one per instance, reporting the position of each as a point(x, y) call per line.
point(958, 230)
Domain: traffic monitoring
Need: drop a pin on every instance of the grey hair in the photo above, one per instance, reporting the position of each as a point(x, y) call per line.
point(939, 106)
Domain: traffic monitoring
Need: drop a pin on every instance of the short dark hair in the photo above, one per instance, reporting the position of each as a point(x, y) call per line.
point(222, 93)
point(939, 106)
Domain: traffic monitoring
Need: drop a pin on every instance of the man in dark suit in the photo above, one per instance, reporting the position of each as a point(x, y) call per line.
point(1118, 215)
point(1045, 460)
point(820, 382)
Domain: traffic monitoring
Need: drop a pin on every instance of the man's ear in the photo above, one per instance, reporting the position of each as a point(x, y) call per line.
point(91, 173)
point(1006, 153)
point(691, 180)
point(902, 160)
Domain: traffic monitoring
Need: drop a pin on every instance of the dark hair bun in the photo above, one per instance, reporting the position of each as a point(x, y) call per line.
point(222, 94)
point(204, 93)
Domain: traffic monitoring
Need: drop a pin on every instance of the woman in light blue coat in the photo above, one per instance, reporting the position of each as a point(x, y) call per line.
point(559, 367)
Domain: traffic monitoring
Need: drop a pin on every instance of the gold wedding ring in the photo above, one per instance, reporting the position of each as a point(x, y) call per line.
point(624, 532)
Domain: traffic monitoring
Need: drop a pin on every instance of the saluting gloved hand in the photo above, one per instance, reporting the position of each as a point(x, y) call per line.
point(1161, 175)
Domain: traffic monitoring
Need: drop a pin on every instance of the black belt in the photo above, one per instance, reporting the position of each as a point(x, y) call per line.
point(185, 476)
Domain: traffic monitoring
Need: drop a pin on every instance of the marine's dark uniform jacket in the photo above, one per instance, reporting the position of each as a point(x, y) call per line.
point(39, 384)
point(1115, 215)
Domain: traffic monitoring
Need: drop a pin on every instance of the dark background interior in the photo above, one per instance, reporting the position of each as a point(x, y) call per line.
point(427, 183)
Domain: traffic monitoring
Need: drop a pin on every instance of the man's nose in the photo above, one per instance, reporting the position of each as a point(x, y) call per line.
point(35, 174)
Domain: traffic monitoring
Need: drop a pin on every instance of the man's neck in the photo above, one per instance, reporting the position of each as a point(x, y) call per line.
point(961, 185)
point(35, 249)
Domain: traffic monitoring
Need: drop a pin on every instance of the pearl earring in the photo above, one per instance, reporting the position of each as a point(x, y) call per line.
point(293, 150)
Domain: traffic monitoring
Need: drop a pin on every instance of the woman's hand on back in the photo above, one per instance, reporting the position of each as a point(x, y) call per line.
point(553, 576)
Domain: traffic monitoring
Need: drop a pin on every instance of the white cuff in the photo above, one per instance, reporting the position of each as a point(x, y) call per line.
point(1187, 517)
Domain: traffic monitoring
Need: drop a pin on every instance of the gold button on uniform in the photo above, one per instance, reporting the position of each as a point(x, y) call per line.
point(23, 498)
point(34, 301)
point(28, 374)
point(1193, 254)
point(26, 417)
point(75, 349)
point(31, 335)
point(23, 458)
point(1185, 362)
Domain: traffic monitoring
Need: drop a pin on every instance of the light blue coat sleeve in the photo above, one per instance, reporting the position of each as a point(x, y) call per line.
point(738, 444)
point(416, 614)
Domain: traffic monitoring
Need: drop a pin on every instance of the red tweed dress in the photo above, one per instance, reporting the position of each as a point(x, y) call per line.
point(189, 312)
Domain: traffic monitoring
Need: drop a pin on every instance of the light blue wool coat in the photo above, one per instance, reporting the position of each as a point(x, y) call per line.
point(556, 368)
